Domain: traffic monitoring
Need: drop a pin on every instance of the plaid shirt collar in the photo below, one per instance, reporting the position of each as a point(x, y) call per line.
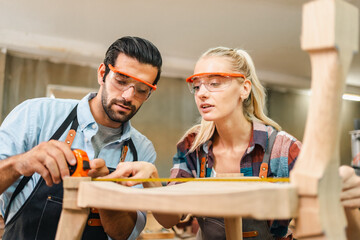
point(259, 136)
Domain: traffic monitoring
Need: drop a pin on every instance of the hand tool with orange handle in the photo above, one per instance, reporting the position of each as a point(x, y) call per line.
point(82, 166)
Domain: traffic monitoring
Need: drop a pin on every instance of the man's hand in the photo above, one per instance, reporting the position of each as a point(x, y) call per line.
point(49, 159)
point(98, 168)
point(136, 170)
point(350, 196)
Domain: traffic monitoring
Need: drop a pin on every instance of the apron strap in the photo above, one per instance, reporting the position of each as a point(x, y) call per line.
point(265, 163)
point(128, 144)
point(70, 118)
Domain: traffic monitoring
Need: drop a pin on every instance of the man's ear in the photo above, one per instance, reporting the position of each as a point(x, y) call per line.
point(101, 73)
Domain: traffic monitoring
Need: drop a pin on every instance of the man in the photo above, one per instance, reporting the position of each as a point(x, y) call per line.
point(35, 158)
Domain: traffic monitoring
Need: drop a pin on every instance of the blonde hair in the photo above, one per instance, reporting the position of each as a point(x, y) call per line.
point(253, 106)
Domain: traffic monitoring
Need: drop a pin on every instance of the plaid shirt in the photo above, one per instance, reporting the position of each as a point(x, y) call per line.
point(282, 159)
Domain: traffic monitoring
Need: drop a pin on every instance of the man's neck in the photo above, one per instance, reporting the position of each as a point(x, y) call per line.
point(99, 113)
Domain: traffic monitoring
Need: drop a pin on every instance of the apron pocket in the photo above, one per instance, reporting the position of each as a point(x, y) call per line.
point(49, 218)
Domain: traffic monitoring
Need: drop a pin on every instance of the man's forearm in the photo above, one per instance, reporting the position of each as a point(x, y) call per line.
point(8, 173)
point(118, 224)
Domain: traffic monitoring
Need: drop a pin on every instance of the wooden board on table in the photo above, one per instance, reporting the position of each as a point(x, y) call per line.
point(227, 199)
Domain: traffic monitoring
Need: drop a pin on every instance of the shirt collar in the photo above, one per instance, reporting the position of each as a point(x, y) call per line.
point(126, 134)
point(84, 114)
point(259, 136)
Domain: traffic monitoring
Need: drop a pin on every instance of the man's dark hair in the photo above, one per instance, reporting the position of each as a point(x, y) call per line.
point(140, 49)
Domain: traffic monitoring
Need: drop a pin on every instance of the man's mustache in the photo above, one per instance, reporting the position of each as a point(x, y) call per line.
point(123, 102)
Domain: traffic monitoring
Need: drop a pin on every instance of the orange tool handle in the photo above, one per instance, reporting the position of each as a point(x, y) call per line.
point(82, 166)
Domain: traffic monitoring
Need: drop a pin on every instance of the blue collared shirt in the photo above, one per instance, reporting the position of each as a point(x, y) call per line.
point(35, 121)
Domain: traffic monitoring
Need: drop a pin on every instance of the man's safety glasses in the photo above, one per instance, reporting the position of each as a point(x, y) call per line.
point(123, 81)
point(213, 82)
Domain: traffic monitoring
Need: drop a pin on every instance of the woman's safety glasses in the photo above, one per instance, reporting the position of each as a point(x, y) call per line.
point(123, 81)
point(213, 82)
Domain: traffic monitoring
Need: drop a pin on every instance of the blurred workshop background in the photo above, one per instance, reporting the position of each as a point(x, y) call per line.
point(54, 48)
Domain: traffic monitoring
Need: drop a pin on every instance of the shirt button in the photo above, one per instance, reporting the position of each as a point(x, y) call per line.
point(86, 140)
point(264, 169)
point(93, 126)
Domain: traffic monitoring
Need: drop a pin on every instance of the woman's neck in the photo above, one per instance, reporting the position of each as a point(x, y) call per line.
point(233, 132)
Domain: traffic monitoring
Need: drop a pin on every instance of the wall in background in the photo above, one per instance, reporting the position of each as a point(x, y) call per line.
point(289, 109)
point(28, 78)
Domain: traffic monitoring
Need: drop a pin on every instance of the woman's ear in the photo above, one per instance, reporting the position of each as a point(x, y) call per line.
point(245, 89)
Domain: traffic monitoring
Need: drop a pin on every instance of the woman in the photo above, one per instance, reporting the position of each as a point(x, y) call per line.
point(234, 136)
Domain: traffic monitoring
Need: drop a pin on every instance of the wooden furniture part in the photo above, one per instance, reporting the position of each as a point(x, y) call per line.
point(2, 226)
point(73, 218)
point(330, 32)
point(153, 230)
point(230, 200)
point(330, 36)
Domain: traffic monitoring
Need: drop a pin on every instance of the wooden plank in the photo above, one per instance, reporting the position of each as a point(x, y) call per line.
point(232, 199)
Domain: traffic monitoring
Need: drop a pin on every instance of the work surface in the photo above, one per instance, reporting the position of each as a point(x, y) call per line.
point(227, 199)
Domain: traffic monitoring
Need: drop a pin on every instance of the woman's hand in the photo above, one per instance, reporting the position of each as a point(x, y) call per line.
point(136, 170)
point(350, 195)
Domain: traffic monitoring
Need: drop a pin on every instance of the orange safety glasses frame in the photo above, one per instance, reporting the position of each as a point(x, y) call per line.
point(190, 79)
point(135, 78)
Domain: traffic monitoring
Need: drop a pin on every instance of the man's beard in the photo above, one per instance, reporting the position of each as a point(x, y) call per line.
point(117, 116)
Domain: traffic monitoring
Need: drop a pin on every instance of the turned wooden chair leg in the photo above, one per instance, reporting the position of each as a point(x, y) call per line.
point(233, 228)
point(73, 218)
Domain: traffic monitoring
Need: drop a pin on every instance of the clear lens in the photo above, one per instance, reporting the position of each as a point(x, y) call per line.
point(212, 83)
point(123, 83)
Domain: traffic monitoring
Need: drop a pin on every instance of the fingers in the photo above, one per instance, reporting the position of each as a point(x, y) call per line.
point(49, 159)
point(349, 178)
point(52, 169)
point(66, 151)
point(350, 195)
point(135, 170)
point(346, 173)
point(98, 168)
point(351, 203)
point(45, 174)
point(123, 170)
point(97, 163)
point(58, 155)
point(118, 174)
